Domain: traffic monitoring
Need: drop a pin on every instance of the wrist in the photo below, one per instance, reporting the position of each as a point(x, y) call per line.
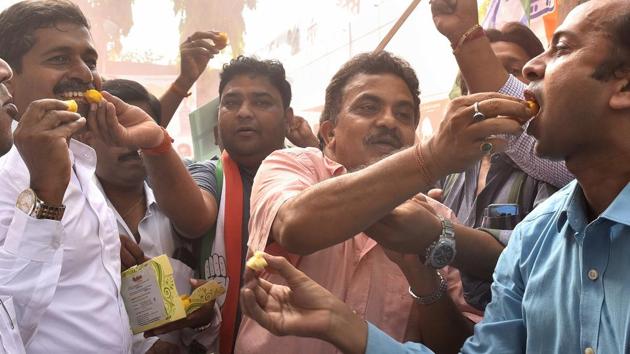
point(181, 86)
point(473, 33)
point(184, 83)
point(348, 331)
point(424, 282)
point(161, 149)
point(432, 170)
point(455, 35)
point(51, 196)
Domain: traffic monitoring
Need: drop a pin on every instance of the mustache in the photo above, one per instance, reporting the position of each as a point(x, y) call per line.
point(66, 86)
point(384, 135)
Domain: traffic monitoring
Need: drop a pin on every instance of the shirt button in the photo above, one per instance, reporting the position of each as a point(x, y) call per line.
point(589, 350)
point(593, 275)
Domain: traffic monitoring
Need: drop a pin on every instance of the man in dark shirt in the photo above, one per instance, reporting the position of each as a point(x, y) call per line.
point(254, 115)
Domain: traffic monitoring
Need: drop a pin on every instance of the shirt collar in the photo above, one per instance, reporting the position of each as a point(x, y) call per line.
point(82, 152)
point(573, 209)
point(150, 196)
point(619, 210)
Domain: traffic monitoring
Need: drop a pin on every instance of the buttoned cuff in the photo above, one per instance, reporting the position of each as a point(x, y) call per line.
point(33, 239)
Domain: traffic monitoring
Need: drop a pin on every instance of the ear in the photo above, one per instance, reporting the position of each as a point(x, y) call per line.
point(620, 99)
point(288, 119)
point(327, 132)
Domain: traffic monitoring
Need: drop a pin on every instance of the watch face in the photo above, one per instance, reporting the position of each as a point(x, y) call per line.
point(26, 201)
point(442, 255)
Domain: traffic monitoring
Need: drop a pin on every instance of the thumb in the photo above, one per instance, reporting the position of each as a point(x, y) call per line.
point(436, 194)
point(120, 105)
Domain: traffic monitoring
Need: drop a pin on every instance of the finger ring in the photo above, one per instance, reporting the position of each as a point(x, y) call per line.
point(486, 148)
point(478, 116)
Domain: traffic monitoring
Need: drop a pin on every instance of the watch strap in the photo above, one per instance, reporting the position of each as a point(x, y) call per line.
point(45, 211)
point(430, 299)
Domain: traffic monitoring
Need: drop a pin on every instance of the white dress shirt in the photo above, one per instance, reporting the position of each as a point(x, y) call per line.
point(158, 237)
point(64, 276)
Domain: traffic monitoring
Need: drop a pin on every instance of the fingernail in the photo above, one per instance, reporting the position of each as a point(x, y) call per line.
point(93, 107)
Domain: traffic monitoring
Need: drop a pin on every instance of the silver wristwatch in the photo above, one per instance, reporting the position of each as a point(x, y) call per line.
point(31, 205)
point(442, 252)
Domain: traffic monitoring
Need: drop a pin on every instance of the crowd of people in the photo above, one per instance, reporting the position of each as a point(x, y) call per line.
point(505, 232)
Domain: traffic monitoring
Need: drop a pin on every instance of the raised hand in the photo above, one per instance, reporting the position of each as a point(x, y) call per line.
point(454, 17)
point(195, 52)
point(120, 124)
point(459, 141)
point(299, 132)
point(42, 138)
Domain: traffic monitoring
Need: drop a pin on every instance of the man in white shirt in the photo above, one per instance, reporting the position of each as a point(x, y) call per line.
point(60, 248)
point(10, 339)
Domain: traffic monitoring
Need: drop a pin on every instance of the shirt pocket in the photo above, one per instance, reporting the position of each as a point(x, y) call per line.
point(9, 332)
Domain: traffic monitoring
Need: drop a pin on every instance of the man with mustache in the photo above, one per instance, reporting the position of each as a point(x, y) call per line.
point(326, 209)
point(560, 284)
point(54, 218)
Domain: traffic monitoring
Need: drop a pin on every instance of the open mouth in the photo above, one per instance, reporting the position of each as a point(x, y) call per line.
point(11, 110)
point(535, 106)
point(73, 95)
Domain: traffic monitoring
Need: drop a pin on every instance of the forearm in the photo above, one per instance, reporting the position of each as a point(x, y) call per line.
point(339, 208)
point(347, 331)
point(172, 98)
point(477, 252)
point(178, 195)
point(481, 69)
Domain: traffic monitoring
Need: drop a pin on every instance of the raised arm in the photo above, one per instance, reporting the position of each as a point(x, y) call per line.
point(483, 72)
point(195, 53)
point(481, 69)
point(117, 123)
point(315, 218)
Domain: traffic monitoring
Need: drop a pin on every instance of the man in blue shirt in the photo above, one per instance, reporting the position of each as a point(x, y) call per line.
point(559, 286)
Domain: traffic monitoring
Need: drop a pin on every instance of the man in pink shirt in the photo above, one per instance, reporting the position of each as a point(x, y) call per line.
point(325, 210)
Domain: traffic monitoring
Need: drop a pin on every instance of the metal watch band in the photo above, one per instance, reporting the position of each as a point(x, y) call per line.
point(430, 299)
point(44, 211)
point(448, 232)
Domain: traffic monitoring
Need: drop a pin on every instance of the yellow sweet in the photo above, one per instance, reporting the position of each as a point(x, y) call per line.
point(221, 42)
point(257, 262)
point(72, 105)
point(533, 106)
point(185, 301)
point(93, 96)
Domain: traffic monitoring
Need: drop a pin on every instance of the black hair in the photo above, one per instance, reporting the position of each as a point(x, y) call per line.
point(131, 91)
point(19, 22)
point(271, 69)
